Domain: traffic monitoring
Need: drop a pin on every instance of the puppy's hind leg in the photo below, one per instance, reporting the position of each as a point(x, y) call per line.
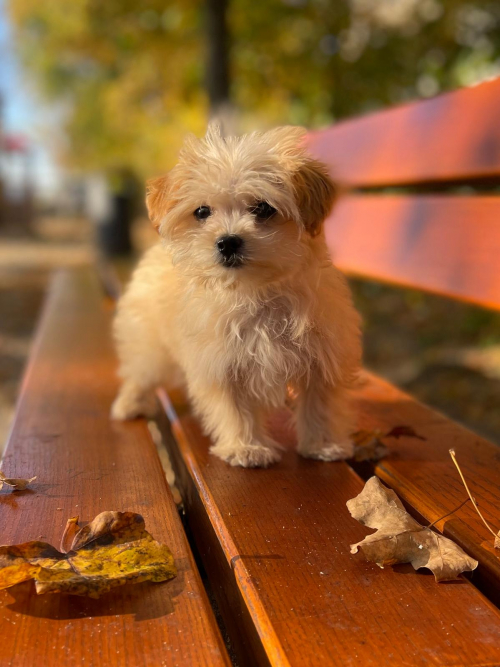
point(325, 421)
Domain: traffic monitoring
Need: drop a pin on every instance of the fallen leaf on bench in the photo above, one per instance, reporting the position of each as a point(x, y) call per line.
point(113, 549)
point(15, 483)
point(406, 431)
point(368, 445)
point(401, 539)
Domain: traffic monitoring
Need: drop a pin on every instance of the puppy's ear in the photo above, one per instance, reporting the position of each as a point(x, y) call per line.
point(315, 192)
point(314, 189)
point(157, 199)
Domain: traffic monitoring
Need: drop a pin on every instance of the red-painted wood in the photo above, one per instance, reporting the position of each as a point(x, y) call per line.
point(455, 136)
point(444, 244)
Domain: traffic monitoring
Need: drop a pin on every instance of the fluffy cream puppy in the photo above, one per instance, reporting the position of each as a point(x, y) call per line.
point(240, 300)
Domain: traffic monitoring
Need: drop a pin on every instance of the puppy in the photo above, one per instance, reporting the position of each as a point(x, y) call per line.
point(240, 300)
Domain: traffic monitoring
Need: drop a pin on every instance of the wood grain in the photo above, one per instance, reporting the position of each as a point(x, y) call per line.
point(277, 541)
point(455, 136)
point(86, 464)
point(423, 475)
point(445, 244)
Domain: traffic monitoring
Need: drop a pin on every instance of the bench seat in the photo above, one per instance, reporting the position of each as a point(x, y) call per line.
point(86, 464)
point(275, 544)
point(424, 476)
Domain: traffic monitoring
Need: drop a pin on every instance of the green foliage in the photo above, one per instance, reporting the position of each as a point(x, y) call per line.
point(314, 61)
point(131, 75)
point(128, 75)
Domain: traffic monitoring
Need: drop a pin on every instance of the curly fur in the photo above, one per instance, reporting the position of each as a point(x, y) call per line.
point(240, 337)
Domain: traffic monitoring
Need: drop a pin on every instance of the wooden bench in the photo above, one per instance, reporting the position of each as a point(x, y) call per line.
point(86, 464)
point(446, 243)
point(274, 543)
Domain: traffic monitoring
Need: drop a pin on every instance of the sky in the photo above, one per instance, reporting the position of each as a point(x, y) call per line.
point(23, 113)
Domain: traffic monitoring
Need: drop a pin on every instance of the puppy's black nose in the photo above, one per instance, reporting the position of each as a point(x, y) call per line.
point(228, 246)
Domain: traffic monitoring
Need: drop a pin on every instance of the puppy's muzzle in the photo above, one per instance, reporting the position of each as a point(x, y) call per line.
point(230, 249)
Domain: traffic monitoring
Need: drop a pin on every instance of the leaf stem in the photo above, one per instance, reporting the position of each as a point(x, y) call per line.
point(453, 458)
point(431, 525)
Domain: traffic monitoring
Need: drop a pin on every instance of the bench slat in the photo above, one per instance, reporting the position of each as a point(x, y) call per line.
point(423, 474)
point(86, 464)
point(444, 244)
point(275, 544)
point(440, 139)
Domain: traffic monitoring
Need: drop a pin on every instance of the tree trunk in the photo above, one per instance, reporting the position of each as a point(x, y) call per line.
point(217, 72)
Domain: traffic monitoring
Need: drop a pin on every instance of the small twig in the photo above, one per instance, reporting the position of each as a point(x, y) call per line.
point(431, 525)
point(453, 458)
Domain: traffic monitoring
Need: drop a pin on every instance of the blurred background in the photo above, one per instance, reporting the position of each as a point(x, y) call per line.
point(96, 96)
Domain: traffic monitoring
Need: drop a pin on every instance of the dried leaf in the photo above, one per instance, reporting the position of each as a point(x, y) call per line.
point(69, 534)
point(406, 431)
point(15, 483)
point(401, 539)
point(368, 446)
point(111, 550)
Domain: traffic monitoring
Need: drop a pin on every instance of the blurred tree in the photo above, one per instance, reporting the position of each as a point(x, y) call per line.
point(127, 75)
point(218, 76)
point(132, 77)
point(313, 61)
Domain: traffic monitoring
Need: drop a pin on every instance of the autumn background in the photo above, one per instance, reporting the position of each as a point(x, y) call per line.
point(96, 97)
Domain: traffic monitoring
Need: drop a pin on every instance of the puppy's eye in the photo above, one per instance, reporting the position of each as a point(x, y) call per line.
point(202, 213)
point(262, 210)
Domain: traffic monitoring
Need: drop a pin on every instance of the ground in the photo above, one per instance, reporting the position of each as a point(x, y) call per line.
point(444, 352)
point(27, 262)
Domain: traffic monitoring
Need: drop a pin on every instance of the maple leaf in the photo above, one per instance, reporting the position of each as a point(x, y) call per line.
point(111, 550)
point(369, 445)
point(401, 539)
point(406, 431)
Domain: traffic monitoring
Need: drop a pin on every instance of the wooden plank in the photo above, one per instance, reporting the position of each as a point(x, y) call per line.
point(444, 244)
point(275, 544)
point(86, 464)
point(423, 475)
point(451, 137)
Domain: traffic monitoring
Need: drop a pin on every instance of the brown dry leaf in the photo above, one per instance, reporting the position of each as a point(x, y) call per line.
point(401, 539)
point(368, 446)
point(14, 483)
point(69, 534)
point(111, 550)
point(400, 431)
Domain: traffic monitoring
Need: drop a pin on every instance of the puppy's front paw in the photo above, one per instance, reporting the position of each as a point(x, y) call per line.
point(327, 451)
point(247, 456)
point(130, 405)
point(122, 411)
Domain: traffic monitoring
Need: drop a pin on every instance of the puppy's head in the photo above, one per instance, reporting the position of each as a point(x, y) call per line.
point(242, 210)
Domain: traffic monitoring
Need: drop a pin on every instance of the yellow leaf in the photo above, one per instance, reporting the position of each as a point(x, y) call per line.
point(111, 550)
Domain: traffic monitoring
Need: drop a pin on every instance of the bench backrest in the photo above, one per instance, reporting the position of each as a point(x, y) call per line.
point(446, 242)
